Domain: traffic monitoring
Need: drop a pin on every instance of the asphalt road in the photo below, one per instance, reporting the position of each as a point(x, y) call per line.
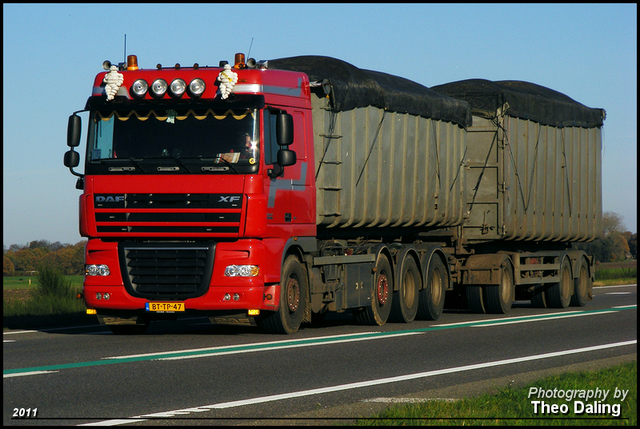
point(193, 373)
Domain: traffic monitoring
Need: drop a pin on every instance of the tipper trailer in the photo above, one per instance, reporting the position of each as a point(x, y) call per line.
point(267, 193)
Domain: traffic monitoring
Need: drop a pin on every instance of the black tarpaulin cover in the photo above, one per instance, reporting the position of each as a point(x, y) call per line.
point(353, 87)
point(526, 101)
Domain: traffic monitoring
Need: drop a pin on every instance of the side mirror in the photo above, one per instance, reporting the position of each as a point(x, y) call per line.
point(71, 159)
point(74, 130)
point(284, 129)
point(286, 157)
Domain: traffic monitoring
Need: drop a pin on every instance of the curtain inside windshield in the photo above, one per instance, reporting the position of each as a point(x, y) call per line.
point(222, 136)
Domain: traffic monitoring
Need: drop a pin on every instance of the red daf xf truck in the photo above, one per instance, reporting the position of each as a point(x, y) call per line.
point(266, 193)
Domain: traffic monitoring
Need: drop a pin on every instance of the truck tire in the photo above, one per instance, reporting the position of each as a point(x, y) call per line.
point(433, 294)
point(381, 295)
point(475, 298)
point(582, 287)
point(559, 294)
point(539, 298)
point(499, 298)
point(405, 300)
point(293, 300)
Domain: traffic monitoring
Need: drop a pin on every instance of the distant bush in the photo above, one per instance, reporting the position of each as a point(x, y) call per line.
point(52, 283)
point(53, 294)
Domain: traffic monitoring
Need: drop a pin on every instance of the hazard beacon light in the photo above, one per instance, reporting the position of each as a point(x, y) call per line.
point(160, 87)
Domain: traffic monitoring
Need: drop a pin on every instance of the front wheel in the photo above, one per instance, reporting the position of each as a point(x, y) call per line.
point(293, 300)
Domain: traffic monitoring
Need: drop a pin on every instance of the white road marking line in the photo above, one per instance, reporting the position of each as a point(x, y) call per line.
point(349, 386)
point(409, 400)
point(564, 315)
point(20, 374)
point(261, 346)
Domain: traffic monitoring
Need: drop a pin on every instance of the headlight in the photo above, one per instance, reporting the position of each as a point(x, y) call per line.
point(196, 88)
point(96, 270)
point(139, 88)
point(178, 87)
point(159, 87)
point(242, 271)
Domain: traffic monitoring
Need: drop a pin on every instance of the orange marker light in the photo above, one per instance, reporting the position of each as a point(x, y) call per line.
point(239, 61)
point(132, 62)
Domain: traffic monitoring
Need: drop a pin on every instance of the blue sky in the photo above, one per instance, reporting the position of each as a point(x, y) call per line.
point(52, 52)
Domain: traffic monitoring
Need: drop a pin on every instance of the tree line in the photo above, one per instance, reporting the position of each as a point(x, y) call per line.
point(616, 245)
point(27, 259)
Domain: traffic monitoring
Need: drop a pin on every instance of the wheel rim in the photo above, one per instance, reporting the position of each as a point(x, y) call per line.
point(566, 283)
point(382, 289)
point(409, 292)
point(505, 285)
point(436, 287)
point(582, 288)
point(293, 294)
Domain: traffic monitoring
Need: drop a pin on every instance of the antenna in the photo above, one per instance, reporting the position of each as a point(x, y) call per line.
point(125, 48)
point(250, 48)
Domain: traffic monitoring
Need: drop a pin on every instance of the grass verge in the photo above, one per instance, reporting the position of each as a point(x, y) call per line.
point(48, 300)
point(515, 407)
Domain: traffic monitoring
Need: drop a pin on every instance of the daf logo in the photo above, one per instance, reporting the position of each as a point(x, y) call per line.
point(229, 199)
point(109, 198)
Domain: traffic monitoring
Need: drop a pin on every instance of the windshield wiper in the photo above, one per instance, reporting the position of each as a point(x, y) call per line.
point(182, 164)
point(166, 168)
point(120, 168)
point(230, 165)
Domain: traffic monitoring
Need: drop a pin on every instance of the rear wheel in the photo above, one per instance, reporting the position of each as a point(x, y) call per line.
point(539, 298)
point(433, 294)
point(499, 298)
point(405, 300)
point(475, 298)
point(582, 287)
point(293, 300)
point(559, 294)
point(378, 311)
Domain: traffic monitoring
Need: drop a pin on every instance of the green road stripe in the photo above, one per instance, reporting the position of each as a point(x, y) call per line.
point(310, 341)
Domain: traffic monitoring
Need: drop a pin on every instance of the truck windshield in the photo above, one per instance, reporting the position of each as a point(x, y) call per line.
point(213, 137)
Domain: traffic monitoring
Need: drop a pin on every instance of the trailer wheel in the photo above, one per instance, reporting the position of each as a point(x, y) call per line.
point(405, 301)
point(539, 298)
point(381, 295)
point(559, 294)
point(293, 300)
point(433, 294)
point(475, 298)
point(499, 298)
point(582, 287)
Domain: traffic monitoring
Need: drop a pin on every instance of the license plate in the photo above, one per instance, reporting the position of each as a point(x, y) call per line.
point(165, 306)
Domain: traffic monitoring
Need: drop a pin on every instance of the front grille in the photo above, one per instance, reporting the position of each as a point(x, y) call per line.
point(168, 213)
point(166, 271)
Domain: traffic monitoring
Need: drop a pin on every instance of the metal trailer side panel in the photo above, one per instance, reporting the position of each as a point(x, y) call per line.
point(381, 169)
point(532, 182)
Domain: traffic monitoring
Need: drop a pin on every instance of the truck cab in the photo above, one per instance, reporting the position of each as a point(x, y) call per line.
point(196, 181)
